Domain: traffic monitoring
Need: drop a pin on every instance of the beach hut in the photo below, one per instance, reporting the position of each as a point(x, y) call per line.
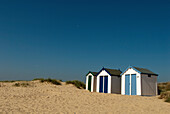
point(91, 81)
point(138, 81)
point(109, 81)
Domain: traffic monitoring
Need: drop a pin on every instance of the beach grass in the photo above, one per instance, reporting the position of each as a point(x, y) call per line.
point(168, 86)
point(8, 81)
point(164, 91)
point(53, 81)
point(167, 100)
point(77, 83)
point(21, 84)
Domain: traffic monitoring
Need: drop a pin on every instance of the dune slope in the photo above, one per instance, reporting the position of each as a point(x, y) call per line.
point(49, 98)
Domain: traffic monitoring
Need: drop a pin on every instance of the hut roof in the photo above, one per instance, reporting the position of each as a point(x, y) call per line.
point(93, 73)
point(112, 72)
point(145, 71)
point(141, 70)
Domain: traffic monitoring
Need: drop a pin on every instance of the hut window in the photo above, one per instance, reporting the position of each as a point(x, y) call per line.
point(149, 75)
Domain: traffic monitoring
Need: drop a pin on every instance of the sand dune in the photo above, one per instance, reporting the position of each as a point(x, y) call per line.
point(50, 99)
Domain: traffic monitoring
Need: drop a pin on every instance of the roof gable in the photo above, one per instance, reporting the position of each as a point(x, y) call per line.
point(111, 72)
point(93, 73)
point(140, 70)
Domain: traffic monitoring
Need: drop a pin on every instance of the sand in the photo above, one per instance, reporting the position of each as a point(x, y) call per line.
point(53, 99)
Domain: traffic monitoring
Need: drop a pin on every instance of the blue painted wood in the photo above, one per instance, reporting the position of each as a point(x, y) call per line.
point(127, 84)
point(106, 84)
point(101, 84)
point(133, 84)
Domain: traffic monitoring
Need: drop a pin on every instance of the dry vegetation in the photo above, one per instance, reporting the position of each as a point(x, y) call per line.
point(164, 91)
point(22, 84)
point(49, 80)
point(77, 83)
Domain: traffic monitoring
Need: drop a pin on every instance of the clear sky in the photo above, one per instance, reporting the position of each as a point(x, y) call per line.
point(64, 39)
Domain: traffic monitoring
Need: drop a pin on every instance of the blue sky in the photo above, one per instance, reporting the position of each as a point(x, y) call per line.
point(65, 39)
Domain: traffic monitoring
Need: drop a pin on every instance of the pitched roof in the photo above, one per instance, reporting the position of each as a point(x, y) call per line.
point(113, 72)
point(140, 70)
point(145, 71)
point(93, 73)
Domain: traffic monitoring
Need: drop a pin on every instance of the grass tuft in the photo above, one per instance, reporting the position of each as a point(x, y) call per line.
point(21, 84)
point(11, 81)
point(38, 79)
point(168, 86)
point(165, 95)
point(164, 90)
point(53, 81)
point(167, 100)
point(77, 83)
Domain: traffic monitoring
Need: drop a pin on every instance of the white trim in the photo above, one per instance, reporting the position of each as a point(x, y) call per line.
point(156, 88)
point(92, 83)
point(130, 87)
point(131, 71)
point(87, 82)
point(97, 83)
point(109, 84)
point(104, 73)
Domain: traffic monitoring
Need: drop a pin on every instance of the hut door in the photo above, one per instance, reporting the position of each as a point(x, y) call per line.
point(127, 84)
point(89, 83)
point(106, 84)
point(133, 84)
point(101, 84)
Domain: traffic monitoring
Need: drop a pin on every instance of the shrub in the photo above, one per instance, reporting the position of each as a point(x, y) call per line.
point(25, 84)
point(42, 80)
point(21, 84)
point(161, 88)
point(38, 79)
point(165, 95)
point(77, 83)
point(53, 81)
point(8, 81)
point(168, 87)
point(17, 84)
point(167, 100)
point(56, 82)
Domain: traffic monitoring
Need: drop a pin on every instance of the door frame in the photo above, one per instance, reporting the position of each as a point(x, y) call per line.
point(90, 83)
point(103, 87)
point(127, 89)
point(135, 91)
point(130, 84)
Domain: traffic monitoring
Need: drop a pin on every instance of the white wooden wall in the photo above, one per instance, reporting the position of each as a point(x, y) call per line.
point(104, 73)
point(138, 81)
point(92, 81)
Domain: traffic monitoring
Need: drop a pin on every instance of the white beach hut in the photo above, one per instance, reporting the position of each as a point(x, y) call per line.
point(138, 81)
point(109, 81)
point(91, 81)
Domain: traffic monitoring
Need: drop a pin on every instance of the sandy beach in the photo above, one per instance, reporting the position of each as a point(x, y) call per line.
point(50, 99)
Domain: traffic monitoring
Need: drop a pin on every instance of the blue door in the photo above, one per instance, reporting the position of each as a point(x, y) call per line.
point(127, 84)
point(133, 84)
point(106, 84)
point(101, 84)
